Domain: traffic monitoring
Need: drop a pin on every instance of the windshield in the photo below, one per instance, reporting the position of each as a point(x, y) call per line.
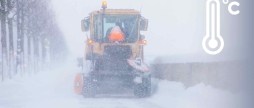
point(128, 24)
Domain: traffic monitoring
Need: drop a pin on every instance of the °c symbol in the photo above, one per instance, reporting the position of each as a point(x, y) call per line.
point(230, 8)
point(225, 1)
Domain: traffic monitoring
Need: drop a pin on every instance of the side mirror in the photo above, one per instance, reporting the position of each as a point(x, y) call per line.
point(80, 61)
point(85, 24)
point(142, 37)
point(143, 24)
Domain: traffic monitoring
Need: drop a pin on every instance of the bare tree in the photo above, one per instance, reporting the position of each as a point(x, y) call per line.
point(35, 21)
point(10, 5)
point(3, 35)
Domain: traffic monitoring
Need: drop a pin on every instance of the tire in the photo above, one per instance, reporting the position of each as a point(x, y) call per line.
point(144, 89)
point(89, 89)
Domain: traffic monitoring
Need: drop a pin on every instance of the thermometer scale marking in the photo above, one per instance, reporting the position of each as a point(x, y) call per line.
point(211, 32)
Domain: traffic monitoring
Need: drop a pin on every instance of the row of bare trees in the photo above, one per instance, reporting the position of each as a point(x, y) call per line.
point(29, 36)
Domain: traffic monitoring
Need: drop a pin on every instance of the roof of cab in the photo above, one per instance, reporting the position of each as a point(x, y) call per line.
point(117, 11)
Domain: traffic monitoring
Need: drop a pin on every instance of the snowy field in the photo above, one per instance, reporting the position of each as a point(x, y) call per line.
point(54, 89)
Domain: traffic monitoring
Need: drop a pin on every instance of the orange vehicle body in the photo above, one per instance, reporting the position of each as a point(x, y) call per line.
point(78, 82)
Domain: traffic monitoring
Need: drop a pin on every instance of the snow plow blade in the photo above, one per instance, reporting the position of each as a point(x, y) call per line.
point(136, 80)
point(78, 83)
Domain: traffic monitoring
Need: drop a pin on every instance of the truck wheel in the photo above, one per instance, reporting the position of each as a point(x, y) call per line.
point(89, 89)
point(144, 89)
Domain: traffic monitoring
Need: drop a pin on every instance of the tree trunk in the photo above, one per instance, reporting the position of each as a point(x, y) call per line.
point(3, 35)
point(22, 38)
point(10, 28)
point(18, 61)
point(28, 53)
point(10, 25)
point(35, 44)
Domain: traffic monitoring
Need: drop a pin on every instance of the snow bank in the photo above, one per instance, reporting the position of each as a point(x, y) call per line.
point(54, 89)
point(175, 95)
point(47, 89)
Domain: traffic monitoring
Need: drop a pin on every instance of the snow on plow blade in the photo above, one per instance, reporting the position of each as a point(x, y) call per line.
point(142, 67)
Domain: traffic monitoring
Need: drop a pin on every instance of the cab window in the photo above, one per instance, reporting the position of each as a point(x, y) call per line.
point(127, 23)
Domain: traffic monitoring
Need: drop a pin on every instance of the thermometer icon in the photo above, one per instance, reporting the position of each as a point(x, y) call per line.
point(213, 28)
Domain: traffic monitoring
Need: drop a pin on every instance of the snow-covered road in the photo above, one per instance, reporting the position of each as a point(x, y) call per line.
point(54, 89)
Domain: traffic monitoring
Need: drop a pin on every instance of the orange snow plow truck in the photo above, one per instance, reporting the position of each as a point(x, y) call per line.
point(114, 54)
